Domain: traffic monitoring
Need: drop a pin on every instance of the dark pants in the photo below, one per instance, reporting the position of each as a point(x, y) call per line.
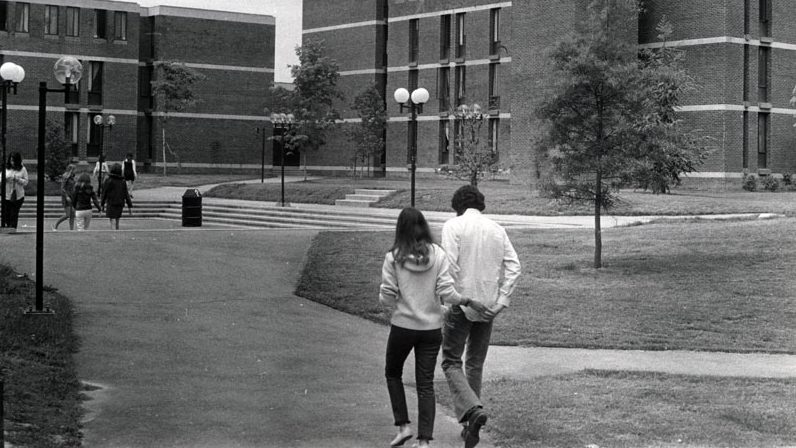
point(426, 345)
point(11, 212)
point(465, 384)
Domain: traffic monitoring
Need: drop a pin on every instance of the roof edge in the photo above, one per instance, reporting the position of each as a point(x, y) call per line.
point(207, 14)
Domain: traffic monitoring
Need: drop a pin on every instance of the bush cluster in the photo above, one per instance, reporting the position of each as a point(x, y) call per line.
point(752, 182)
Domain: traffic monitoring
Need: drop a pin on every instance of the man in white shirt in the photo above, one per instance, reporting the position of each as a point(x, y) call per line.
point(484, 266)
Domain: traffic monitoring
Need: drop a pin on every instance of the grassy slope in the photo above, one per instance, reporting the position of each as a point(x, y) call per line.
point(624, 409)
point(42, 392)
point(696, 286)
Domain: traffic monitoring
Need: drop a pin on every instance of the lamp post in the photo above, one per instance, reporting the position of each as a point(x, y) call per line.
point(11, 75)
point(261, 130)
point(414, 103)
point(68, 71)
point(103, 123)
point(282, 122)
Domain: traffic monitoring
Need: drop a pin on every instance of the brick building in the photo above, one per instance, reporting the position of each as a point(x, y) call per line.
point(118, 44)
point(493, 53)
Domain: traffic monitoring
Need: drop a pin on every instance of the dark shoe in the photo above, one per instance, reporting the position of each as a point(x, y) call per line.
point(477, 419)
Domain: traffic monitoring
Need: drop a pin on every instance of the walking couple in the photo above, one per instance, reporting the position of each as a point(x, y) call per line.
point(473, 272)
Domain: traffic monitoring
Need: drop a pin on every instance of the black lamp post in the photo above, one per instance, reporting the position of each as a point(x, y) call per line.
point(68, 71)
point(414, 103)
point(283, 123)
point(103, 123)
point(11, 75)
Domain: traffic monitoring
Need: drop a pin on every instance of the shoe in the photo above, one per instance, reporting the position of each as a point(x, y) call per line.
point(402, 437)
point(464, 432)
point(477, 419)
point(55, 229)
point(422, 444)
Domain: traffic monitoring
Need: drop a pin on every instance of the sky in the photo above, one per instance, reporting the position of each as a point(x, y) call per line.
point(288, 23)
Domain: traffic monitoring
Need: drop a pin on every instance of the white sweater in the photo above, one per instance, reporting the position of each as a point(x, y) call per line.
point(413, 291)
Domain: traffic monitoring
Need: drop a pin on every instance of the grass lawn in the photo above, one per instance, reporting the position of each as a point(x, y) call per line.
point(504, 198)
point(716, 286)
point(629, 409)
point(42, 393)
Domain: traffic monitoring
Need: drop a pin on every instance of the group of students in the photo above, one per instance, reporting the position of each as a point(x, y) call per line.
point(445, 296)
point(78, 195)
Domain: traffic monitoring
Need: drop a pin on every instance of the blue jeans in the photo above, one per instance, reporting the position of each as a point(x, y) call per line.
point(426, 346)
point(465, 384)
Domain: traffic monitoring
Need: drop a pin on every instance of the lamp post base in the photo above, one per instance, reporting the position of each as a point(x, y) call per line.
point(44, 312)
point(7, 230)
point(283, 204)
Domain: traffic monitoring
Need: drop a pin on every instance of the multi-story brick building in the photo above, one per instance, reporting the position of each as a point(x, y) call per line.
point(742, 53)
point(118, 44)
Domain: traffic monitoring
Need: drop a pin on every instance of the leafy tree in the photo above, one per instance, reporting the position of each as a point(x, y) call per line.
point(473, 157)
point(611, 121)
point(368, 135)
point(174, 91)
point(58, 150)
point(312, 99)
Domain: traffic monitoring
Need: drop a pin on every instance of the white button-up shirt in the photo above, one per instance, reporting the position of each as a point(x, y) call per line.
point(484, 264)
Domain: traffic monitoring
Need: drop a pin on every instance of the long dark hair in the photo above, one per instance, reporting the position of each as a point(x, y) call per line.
point(15, 161)
point(412, 237)
point(84, 184)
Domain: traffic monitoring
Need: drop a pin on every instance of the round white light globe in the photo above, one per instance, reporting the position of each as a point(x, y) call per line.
point(401, 95)
point(20, 76)
point(420, 96)
point(68, 67)
point(8, 71)
point(111, 120)
point(98, 120)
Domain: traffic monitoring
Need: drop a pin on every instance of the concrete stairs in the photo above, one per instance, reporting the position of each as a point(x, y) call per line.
point(363, 198)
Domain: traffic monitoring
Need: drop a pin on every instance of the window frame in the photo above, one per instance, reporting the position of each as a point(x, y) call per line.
point(4, 24)
point(22, 23)
point(414, 41)
point(74, 21)
point(97, 27)
point(116, 22)
point(48, 19)
point(461, 36)
point(445, 37)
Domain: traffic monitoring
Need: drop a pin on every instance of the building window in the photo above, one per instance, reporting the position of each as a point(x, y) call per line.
point(458, 140)
point(413, 80)
point(443, 88)
point(100, 24)
point(764, 61)
point(94, 138)
point(73, 97)
point(461, 38)
point(22, 17)
point(95, 83)
point(494, 98)
point(414, 41)
point(494, 128)
point(51, 20)
point(3, 16)
point(460, 81)
point(72, 127)
point(762, 140)
point(72, 21)
point(120, 25)
point(444, 141)
point(765, 18)
point(494, 31)
point(445, 37)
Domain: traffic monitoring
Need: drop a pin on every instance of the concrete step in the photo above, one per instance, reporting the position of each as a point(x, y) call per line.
point(363, 197)
point(324, 220)
point(369, 192)
point(352, 203)
point(300, 214)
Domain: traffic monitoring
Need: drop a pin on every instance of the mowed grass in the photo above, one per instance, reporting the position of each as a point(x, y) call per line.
point(42, 392)
point(711, 286)
point(309, 192)
point(636, 409)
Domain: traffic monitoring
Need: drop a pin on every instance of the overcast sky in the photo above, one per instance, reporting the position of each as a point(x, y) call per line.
point(288, 23)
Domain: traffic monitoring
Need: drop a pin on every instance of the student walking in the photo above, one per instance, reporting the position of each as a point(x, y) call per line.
point(100, 170)
point(67, 188)
point(414, 278)
point(129, 172)
point(16, 181)
point(485, 266)
point(115, 194)
point(82, 197)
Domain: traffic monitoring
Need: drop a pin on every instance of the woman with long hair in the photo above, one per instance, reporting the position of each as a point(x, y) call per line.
point(415, 276)
point(16, 181)
point(115, 195)
point(67, 187)
point(82, 197)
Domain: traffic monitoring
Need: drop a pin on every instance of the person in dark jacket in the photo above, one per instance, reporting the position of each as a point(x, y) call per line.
point(114, 196)
point(82, 197)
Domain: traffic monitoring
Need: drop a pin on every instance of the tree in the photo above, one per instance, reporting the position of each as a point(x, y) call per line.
point(473, 158)
point(58, 150)
point(368, 135)
point(173, 89)
point(611, 121)
point(312, 99)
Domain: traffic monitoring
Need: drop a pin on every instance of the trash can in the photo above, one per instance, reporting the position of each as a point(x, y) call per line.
point(192, 208)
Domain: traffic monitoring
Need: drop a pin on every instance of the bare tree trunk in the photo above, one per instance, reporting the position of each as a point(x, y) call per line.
point(163, 129)
point(304, 155)
point(598, 238)
point(474, 178)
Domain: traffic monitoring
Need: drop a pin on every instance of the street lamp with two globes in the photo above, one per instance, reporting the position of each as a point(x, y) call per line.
point(414, 103)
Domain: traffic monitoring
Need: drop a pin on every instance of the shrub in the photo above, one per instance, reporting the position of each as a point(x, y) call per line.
point(787, 179)
point(750, 182)
point(59, 151)
point(771, 183)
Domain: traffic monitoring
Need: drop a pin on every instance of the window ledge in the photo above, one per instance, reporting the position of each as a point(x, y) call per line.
point(494, 57)
point(22, 34)
point(119, 42)
point(52, 37)
point(72, 38)
point(413, 64)
point(460, 60)
point(95, 107)
point(766, 40)
point(764, 106)
point(72, 106)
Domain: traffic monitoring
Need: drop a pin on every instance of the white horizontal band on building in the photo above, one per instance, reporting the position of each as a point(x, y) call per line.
point(467, 63)
point(450, 11)
point(343, 26)
point(717, 40)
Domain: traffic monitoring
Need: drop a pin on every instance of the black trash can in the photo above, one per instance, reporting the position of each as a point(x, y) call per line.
point(192, 208)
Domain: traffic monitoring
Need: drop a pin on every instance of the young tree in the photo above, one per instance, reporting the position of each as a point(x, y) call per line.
point(174, 91)
point(312, 99)
point(58, 149)
point(368, 135)
point(611, 121)
point(473, 158)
